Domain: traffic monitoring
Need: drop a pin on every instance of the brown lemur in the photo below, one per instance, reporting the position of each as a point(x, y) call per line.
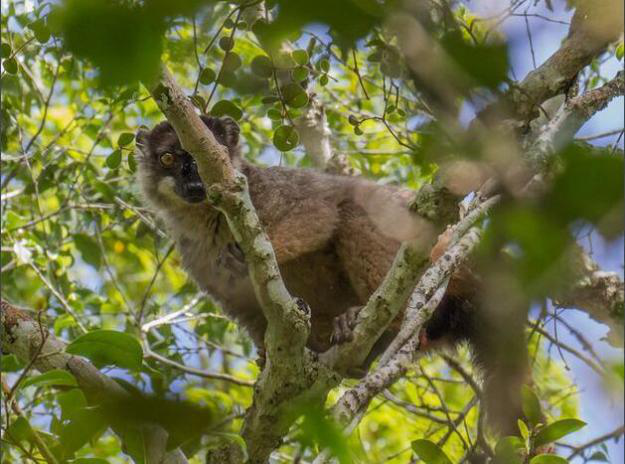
point(335, 238)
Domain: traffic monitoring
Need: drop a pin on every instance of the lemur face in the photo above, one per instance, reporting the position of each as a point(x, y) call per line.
point(170, 171)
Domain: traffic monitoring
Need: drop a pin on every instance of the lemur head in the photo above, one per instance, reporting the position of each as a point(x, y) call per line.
point(167, 173)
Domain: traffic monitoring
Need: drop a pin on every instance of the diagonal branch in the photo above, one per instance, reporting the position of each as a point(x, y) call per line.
point(22, 336)
point(595, 25)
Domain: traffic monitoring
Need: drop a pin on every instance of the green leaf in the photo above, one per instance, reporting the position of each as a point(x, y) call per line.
point(590, 188)
point(5, 50)
point(285, 138)
point(226, 108)
point(300, 57)
point(53, 378)
point(42, 33)
point(88, 461)
point(108, 347)
point(207, 76)
point(89, 250)
point(509, 449)
point(429, 452)
point(19, 430)
point(226, 43)
point(300, 73)
point(132, 163)
point(10, 363)
point(525, 433)
point(485, 63)
point(274, 114)
point(114, 159)
point(10, 65)
point(599, 456)
point(125, 138)
point(294, 95)
point(548, 459)
point(84, 425)
point(70, 402)
point(324, 65)
point(121, 40)
point(531, 406)
point(262, 66)
point(557, 430)
point(323, 80)
point(620, 51)
point(231, 62)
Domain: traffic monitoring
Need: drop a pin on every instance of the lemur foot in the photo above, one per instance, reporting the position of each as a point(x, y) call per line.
point(344, 325)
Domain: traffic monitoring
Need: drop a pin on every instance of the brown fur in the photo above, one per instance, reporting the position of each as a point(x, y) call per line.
point(334, 237)
point(332, 246)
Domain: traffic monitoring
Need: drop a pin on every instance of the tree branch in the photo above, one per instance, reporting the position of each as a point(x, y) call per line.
point(22, 336)
point(594, 26)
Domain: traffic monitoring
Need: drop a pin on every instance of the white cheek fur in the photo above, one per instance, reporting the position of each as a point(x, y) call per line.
point(166, 188)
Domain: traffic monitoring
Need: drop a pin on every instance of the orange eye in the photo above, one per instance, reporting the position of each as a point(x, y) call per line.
point(167, 160)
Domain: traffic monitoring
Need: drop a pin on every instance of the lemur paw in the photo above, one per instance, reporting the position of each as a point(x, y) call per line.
point(344, 325)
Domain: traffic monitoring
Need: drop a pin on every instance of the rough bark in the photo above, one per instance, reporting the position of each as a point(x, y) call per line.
point(24, 337)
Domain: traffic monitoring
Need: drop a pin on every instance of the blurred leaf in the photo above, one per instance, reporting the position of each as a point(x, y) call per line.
point(262, 66)
point(548, 459)
point(509, 450)
point(114, 159)
point(486, 63)
point(294, 95)
point(226, 43)
point(285, 138)
point(125, 138)
point(598, 456)
point(232, 62)
point(319, 430)
point(84, 425)
point(10, 363)
point(10, 65)
point(207, 76)
point(226, 108)
point(591, 187)
point(53, 378)
point(531, 406)
point(5, 50)
point(88, 461)
point(71, 401)
point(429, 452)
point(300, 57)
point(182, 419)
point(557, 430)
point(19, 430)
point(108, 347)
point(122, 40)
point(89, 250)
point(42, 33)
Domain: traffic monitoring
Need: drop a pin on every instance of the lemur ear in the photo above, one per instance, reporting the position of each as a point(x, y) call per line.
point(141, 141)
point(225, 130)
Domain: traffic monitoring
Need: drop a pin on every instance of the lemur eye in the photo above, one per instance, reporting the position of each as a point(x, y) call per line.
point(167, 160)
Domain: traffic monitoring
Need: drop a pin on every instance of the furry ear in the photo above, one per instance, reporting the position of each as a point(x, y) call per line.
point(141, 141)
point(225, 130)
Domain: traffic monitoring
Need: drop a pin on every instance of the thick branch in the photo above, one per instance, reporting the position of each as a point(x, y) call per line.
point(287, 321)
point(594, 26)
point(600, 294)
point(22, 336)
point(571, 116)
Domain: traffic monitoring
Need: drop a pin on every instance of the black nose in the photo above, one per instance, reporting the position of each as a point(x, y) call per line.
point(194, 192)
